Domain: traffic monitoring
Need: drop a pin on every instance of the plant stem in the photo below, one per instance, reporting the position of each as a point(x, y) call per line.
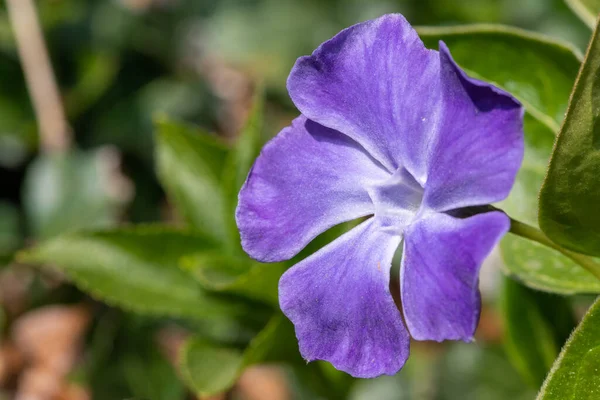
point(55, 134)
point(529, 232)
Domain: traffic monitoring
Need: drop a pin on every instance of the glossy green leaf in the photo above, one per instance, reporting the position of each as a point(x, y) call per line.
point(67, 192)
point(536, 326)
point(570, 196)
point(574, 375)
point(135, 268)
point(587, 10)
point(237, 275)
point(190, 165)
point(210, 369)
point(535, 265)
point(537, 70)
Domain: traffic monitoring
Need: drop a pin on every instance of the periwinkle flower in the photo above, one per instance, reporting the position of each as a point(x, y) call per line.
point(397, 132)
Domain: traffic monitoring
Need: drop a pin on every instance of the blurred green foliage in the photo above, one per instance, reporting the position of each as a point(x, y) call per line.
point(143, 83)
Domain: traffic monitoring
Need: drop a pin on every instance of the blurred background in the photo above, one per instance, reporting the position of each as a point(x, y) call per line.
point(119, 63)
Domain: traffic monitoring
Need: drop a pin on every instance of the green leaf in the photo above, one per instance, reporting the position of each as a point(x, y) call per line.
point(150, 376)
point(190, 165)
point(536, 326)
point(569, 197)
point(210, 369)
point(535, 265)
point(135, 268)
point(237, 275)
point(67, 192)
point(537, 70)
point(574, 375)
point(242, 156)
point(96, 72)
point(247, 147)
point(587, 10)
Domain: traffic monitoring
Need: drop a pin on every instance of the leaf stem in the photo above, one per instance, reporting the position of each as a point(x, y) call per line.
point(529, 232)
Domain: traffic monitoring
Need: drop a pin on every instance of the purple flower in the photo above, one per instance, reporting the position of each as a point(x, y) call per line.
point(399, 133)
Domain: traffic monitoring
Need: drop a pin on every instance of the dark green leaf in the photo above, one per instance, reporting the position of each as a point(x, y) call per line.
point(587, 10)
point(574, 375)
point(190, 165)
point(135, 268)
point(97, 71)
point(536, 326)
point(150, 376)
point(10, 232)
point(210, 369)
point(276, 342)
point(569, 197)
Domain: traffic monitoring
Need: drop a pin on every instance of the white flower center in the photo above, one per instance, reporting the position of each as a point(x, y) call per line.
point(397, 200)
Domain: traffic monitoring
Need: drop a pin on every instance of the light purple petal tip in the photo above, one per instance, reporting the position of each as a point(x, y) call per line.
point(440, 273)
point(340, 304)
point(306, 180)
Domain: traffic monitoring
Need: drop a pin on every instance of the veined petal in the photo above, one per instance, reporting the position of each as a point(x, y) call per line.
point(306, 180)
point(440, 273)
point(340, 304)
point(479, 144)
point(377, 83)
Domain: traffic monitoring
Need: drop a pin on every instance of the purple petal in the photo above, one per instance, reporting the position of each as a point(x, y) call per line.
point(306, 180)
point(479, 146)
point(376, 83)
point(340, 304)
point(440, 273)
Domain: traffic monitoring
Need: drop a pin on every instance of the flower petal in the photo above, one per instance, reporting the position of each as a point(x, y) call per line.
point(306, 180)
point(440, 273)
point(377, 83)
point(479, 147)
point(340, 304)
